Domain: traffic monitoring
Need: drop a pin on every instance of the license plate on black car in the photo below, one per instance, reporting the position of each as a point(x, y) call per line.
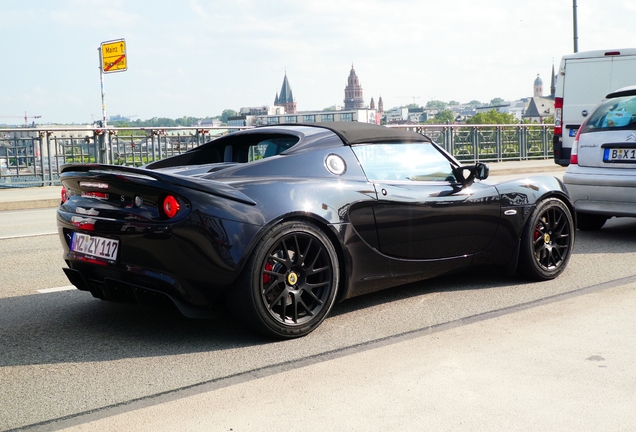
point(98, 247)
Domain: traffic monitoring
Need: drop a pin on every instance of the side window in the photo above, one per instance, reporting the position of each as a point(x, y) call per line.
point(270, 147)
point(404, 162)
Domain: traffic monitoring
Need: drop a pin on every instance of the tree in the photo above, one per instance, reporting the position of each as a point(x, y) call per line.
point(492, 117)
point(227, 113)
point(474, 103)
point(436, 104)
point(442, 117)
point(497, 101)
point(453, 103)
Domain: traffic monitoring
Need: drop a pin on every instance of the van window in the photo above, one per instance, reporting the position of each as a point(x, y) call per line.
point(615, 113)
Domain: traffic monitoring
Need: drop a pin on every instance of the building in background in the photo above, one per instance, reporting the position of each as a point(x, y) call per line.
point(286, 98)
point(353, 92)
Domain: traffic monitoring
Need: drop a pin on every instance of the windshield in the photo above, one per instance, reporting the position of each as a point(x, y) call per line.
point(615, 113)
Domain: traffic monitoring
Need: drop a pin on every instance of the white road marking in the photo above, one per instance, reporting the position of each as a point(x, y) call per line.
point(27, 235)
point(62, 288)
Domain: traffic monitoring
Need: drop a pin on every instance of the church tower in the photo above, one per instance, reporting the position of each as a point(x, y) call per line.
point(538, 87)
point(380, 105)
point(353, 92)
point(553, 84)
point(286, 98)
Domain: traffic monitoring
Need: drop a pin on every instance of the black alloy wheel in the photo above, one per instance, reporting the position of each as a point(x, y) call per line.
point(547, 240)
point(289, 283)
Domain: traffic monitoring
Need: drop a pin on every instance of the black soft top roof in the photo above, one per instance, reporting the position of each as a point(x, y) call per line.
point(359, 133)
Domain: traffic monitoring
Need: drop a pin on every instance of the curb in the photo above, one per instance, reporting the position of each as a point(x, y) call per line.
point(533, 170)
point(29, 205)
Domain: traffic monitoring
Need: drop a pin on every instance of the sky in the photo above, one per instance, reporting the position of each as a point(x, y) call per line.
point(199, 57)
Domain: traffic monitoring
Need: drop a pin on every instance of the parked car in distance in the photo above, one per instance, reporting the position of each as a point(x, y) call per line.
point(280, 222)
point(601, 177)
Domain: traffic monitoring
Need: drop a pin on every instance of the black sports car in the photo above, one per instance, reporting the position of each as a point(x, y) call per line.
point(282, 221)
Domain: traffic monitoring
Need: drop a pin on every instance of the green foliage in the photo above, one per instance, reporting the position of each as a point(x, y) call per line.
point(442, 117)
point(497, 101)
point(227, 113)
point(436, 104)
point(474, 103)
point(492, 117)
point(453, 103)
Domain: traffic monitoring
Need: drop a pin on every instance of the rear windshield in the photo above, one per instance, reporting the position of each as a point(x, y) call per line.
point(232, 149)
point(615, 113)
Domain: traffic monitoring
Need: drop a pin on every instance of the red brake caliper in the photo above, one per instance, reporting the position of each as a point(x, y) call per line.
point(266, 277)
point(537, 233)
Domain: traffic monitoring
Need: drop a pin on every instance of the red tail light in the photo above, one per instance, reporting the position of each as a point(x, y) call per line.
point(574, 155)
point(558, 116)
point(170, 206)
point(64, 194)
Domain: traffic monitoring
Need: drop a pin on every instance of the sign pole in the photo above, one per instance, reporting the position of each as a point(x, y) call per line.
point(112, 58)
point(103, 151)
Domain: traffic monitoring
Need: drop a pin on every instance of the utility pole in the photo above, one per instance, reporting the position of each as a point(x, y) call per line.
point(576, 37)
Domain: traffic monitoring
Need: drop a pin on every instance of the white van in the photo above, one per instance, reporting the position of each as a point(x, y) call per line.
point(582, 81)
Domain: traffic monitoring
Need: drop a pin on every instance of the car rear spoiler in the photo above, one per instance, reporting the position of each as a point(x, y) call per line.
point(202, 185)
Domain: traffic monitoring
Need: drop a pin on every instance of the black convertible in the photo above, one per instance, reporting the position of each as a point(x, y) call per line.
point(280, 222)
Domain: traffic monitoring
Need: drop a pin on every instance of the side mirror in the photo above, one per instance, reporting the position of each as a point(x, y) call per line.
point(481, 171)
point(466, 174)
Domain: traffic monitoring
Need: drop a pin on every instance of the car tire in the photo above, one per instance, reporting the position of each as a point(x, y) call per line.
point(590, 222)
point(547, 240)
point(289, 283)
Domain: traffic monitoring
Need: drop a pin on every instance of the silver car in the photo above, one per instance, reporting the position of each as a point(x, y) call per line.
point(601, 177)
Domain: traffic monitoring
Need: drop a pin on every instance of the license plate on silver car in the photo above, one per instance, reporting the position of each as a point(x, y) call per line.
point(619, 154)
point(98, 247)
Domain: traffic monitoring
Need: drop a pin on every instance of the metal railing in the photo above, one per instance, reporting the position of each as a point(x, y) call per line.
point(33, 156)
point(494, 143)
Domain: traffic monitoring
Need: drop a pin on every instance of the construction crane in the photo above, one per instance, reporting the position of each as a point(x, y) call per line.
point(26, 118)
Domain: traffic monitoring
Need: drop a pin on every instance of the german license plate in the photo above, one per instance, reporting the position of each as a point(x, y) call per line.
point(619, 155)
point(98, 247)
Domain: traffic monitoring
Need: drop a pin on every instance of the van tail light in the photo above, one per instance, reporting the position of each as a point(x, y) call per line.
point(170, 206)
point(558, 116)
point(574, 155)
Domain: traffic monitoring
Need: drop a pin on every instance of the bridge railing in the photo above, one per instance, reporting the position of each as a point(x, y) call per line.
point(494, 143)
point(33, 156)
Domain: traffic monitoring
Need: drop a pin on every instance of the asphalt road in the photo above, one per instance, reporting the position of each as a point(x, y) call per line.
point(67, 358)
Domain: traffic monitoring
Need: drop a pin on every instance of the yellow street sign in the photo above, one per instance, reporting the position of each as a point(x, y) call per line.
point(114, 56)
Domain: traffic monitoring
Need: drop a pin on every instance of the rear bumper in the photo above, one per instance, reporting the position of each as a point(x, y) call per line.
point(120, 291)
point(190, 264)
point(561, 154)
point(612, 193)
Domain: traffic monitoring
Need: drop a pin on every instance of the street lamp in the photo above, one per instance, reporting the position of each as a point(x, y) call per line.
point(576, 37)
